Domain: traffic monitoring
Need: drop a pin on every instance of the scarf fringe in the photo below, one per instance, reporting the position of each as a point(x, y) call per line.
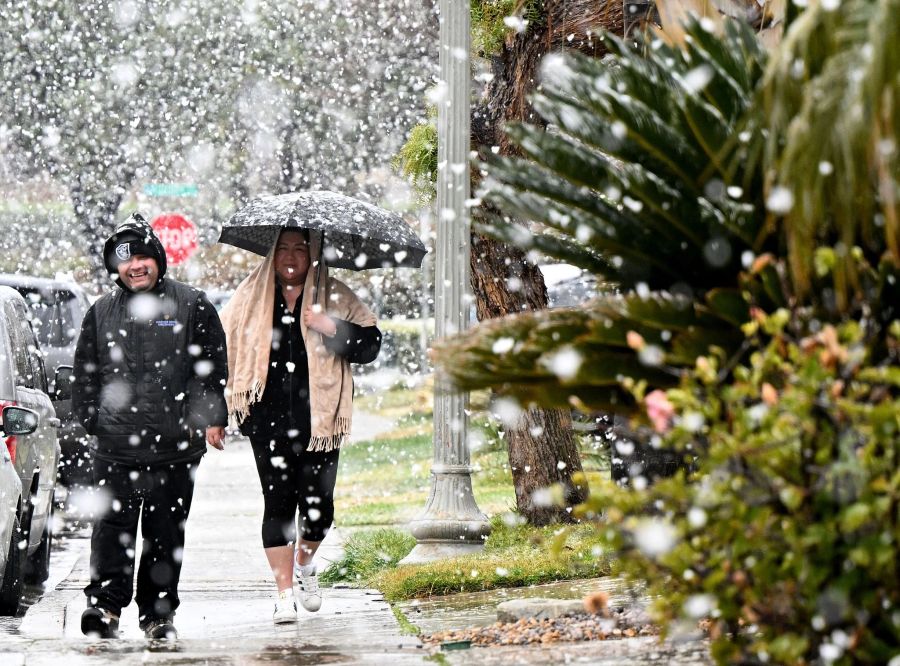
point(241, 401)
point(326, 443)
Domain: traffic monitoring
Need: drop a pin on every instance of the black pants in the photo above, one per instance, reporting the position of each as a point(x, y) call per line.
point(294, 479)
point(161, 497)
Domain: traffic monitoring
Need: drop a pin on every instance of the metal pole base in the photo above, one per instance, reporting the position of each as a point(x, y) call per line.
point(451, 523)
point(429, 551)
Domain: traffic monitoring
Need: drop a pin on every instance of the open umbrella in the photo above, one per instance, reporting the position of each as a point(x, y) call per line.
point(355, 234)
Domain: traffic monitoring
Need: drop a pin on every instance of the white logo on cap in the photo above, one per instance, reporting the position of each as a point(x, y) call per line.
point(123, 251)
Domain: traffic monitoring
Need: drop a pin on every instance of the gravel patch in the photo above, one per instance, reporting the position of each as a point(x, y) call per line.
point(614, 624)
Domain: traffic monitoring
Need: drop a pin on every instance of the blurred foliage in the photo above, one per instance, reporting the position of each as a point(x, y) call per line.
point(491, 21)
point(785, 539)
point(754, 243)
point(239, 98)
point(417, 160)
point(654, 174)
point(515, 555)
point(831, 97)
point(18, 228)
point(404, 398)
point(403, 345)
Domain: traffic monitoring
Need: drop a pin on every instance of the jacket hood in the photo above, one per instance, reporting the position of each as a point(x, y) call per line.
point(133, 236)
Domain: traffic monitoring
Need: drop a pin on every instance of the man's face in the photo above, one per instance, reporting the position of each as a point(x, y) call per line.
point(139, 273)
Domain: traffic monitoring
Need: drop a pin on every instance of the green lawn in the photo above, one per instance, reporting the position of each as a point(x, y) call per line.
point(383, 483)
point(386, 481)
point(514, 555)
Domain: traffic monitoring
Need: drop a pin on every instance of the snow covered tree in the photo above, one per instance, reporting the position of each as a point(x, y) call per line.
point(99, 93)
point(242, 97)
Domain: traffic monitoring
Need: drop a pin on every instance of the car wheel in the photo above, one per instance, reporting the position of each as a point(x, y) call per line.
point(13, 576)
point(37, 567)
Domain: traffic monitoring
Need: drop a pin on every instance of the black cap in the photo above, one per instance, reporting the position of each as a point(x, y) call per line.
point(131, 237)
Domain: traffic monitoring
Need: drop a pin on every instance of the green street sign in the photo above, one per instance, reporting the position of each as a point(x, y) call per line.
point(171, 190)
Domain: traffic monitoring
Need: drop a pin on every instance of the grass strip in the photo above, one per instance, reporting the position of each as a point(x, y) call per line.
point(514, 556)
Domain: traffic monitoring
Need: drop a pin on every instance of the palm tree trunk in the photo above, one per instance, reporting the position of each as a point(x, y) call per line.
point(543, 451)
point(542, 448)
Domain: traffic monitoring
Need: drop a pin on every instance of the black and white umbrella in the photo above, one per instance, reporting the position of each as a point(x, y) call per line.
point(355, 234)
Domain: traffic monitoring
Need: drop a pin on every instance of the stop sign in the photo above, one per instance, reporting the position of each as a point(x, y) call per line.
point(178, 236)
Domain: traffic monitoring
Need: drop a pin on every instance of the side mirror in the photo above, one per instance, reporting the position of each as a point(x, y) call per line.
point(62, 382)
point(19, 420)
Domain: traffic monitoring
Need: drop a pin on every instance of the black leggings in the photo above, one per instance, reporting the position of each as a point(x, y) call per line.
point(293, 478)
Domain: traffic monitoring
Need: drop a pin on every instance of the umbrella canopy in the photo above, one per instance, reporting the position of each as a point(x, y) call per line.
point(356, 235)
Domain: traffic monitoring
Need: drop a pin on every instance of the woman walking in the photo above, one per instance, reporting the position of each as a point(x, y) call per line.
point(292, 333)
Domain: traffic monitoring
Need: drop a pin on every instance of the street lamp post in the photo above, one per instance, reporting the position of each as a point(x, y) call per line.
point(451, 523)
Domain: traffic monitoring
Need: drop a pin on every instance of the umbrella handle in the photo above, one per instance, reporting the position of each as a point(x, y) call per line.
point(319, 270)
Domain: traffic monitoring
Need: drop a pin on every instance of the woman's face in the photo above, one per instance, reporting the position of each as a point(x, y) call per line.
point(291, 258)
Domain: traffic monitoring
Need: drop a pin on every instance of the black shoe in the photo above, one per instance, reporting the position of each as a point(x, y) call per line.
point(100, 622)
point(161, 629)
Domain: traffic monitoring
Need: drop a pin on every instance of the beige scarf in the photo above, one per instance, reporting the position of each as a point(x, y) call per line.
point(247, 319)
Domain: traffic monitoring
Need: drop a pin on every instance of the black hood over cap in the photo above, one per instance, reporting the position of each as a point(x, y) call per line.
point(142, 240)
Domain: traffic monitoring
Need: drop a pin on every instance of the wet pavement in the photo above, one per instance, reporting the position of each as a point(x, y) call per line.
point(226, 611)
point(226, 591)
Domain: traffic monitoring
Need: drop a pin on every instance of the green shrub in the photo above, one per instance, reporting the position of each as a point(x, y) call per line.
point(786, 537)
point(417, 159)
point(744, 202)
point(489, 27)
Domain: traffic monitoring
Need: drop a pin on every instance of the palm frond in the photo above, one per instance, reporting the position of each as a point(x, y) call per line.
point(832, 119)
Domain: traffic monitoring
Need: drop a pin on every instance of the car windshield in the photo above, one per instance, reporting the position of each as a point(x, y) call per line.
point(54, 321)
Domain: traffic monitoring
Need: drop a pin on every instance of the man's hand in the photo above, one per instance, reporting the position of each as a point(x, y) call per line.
point(215, 437)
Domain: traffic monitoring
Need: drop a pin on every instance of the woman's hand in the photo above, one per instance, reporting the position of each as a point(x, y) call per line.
point(314, 318)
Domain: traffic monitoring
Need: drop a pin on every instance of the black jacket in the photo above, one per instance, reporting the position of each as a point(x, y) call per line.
point(150, 371)
point(284, 405)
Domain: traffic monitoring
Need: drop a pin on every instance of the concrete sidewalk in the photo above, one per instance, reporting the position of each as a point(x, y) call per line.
point(227, 602)
point(226, 590)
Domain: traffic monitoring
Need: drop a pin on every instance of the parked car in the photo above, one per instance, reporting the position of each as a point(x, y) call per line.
point(35, 454)
point(567, 285)
point(16, 421)
point(219, 297)
point(59, 307)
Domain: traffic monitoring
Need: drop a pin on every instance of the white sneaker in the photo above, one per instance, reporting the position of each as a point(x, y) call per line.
point(308, 581)
point(285, 608)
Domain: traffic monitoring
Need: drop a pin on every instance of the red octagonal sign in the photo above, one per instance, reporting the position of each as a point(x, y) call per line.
point(178, 235)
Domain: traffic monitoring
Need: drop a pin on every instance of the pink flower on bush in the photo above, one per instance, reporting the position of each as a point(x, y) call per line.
point(659, 410)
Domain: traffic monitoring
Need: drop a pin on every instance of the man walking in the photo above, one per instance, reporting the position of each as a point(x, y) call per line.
point(150, 371)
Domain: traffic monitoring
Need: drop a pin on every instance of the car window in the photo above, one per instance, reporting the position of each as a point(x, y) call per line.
point(569, 293)
point(55, 313)
point(21, 358)
point(7, 381)
point(36, 377)
point(71, 318)
point(35, 356)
